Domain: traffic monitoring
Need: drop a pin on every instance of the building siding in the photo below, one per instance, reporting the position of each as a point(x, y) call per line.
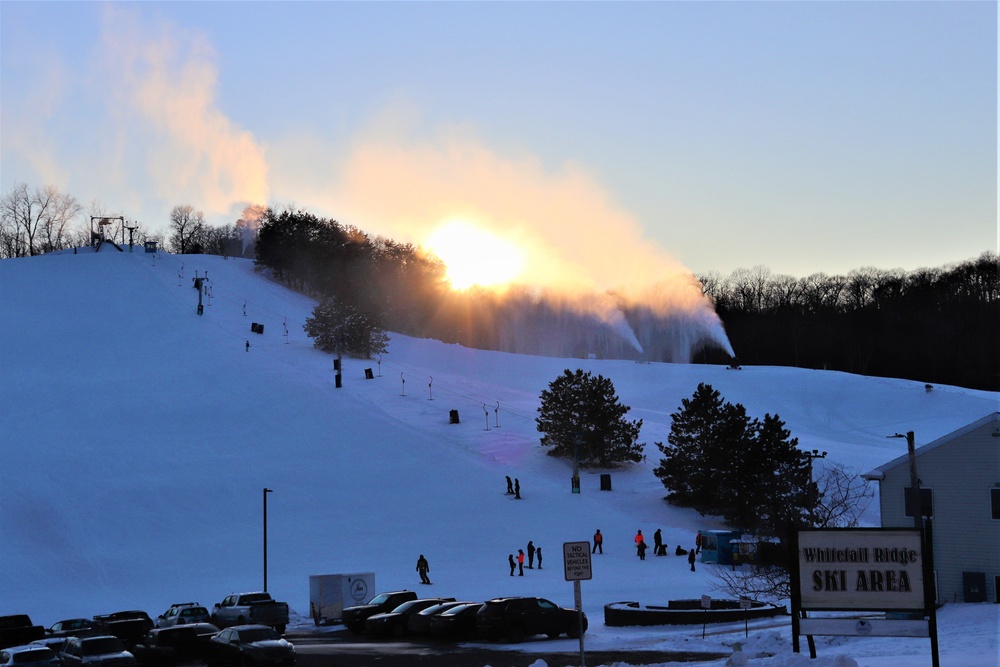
point(960, 471)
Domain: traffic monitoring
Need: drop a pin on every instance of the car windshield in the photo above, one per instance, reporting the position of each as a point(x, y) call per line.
point(257, 635)
point(102, 645)
point(379, 599)
point(34, 655)
point(406, 605)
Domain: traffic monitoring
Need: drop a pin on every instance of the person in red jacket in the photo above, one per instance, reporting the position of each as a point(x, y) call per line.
point(598, 542)
point(520, 562)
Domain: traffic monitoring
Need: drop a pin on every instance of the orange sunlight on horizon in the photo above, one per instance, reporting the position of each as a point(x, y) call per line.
point(474, 256)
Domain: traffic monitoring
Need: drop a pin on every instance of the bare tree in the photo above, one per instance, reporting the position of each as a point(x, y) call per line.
point(187, 226)
point(35, 221)
point(844, 497)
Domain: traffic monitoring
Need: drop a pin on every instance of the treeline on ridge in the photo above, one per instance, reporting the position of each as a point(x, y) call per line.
point(408, 291)
point(932, 325)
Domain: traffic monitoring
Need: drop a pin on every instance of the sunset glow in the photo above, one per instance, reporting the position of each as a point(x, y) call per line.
point(474, 256)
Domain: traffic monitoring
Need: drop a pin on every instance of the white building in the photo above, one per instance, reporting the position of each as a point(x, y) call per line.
point(959, 480)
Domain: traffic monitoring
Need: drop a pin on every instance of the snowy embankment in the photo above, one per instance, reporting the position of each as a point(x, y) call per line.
point(137, 437)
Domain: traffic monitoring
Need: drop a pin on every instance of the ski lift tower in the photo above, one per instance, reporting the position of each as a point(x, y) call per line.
point(100, 235)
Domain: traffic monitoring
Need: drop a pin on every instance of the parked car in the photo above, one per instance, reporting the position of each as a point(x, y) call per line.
point(129, 626)
point(250, 646)
point(28, 656)
point(167, 647)
point(456, 623)
point(182, 615)
point(57, 644)
point(18, 630)
point(393, 623)
point(96, 651)
point(77, 627)
point(173, 609)
point(421, 621)
point(515, 618)
point(250, 609)
point(354, 617)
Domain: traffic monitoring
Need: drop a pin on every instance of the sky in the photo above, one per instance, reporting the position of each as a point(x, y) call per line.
point(136, 438)
point(646, 138)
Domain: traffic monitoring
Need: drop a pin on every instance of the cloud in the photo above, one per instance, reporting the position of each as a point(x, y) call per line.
point(167, 119)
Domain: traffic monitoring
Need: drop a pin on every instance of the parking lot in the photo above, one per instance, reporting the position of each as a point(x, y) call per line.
point(341, 648)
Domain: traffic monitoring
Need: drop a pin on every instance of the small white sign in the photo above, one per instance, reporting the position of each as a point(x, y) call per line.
point(745, 603)
point(576, 561)
point(706, 602)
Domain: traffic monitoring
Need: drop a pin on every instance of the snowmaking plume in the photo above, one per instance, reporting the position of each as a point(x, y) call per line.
point(577, 242)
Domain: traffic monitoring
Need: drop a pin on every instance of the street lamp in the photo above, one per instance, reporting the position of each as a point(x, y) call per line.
point(266, 491)
point(814, 454)
point(914, 480)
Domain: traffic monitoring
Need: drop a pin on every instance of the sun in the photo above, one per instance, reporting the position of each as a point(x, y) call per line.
point(474, 256)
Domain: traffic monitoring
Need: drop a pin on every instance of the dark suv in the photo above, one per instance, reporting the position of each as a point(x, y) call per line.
point(354, 617)
point(516, 618)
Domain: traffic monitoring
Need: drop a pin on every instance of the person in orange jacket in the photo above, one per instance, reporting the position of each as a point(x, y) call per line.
point(520, 562)
point(639, 538)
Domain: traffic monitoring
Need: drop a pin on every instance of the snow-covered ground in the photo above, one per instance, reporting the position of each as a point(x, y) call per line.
point(136, 439)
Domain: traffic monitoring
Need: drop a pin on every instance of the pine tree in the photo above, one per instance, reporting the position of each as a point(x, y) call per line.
point(580, 416)
point(337, 326)
point(719, 461)
point(701, 441)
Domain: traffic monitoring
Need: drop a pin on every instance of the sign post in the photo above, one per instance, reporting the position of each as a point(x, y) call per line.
point(863, 569)
point(576, 566)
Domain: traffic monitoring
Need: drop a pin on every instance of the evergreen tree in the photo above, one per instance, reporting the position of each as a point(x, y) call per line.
point(581, 416)
point(750, 472)
point(338, 326)
point(702, 437)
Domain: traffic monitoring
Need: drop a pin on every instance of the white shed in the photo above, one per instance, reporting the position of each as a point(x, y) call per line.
point(959, 479)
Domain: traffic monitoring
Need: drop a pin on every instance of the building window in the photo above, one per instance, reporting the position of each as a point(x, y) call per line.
point(995, 503)
point(926, 502)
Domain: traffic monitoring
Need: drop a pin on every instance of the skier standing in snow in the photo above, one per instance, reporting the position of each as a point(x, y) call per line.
point(531, 555)
point(598, 542)
point(538, 552)
point(513, 565)
point(517, 488)
point(658, 543)
point(510, 486)
point(520, 562)
point(423, 568)
point(691, 557)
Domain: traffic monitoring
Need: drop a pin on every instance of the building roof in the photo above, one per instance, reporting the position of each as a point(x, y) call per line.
point(879, 472)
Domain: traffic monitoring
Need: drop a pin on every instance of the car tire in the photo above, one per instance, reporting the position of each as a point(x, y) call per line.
point(515, 634)
point(553, 634)
point(573, 632)
point(280, 629)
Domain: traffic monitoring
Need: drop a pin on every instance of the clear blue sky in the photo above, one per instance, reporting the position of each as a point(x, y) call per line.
point(803, 136)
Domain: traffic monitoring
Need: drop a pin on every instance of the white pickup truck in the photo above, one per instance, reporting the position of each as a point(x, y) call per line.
point(244, 608)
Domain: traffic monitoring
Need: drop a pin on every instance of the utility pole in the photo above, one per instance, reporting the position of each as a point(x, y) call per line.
point(915, 504)
point(266, 491)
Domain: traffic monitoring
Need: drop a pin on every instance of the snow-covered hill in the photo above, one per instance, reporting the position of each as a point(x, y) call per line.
point(136, 438)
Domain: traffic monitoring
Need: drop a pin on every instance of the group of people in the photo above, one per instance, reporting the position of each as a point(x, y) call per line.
point(514, 489)
point(518, 564)
point(659, 546)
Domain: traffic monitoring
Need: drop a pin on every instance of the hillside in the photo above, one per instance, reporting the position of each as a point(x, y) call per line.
point(137, 437)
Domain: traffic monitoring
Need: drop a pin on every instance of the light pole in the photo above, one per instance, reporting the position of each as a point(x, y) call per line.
point(814, 454)
point(266, 491)
point(918, 522)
